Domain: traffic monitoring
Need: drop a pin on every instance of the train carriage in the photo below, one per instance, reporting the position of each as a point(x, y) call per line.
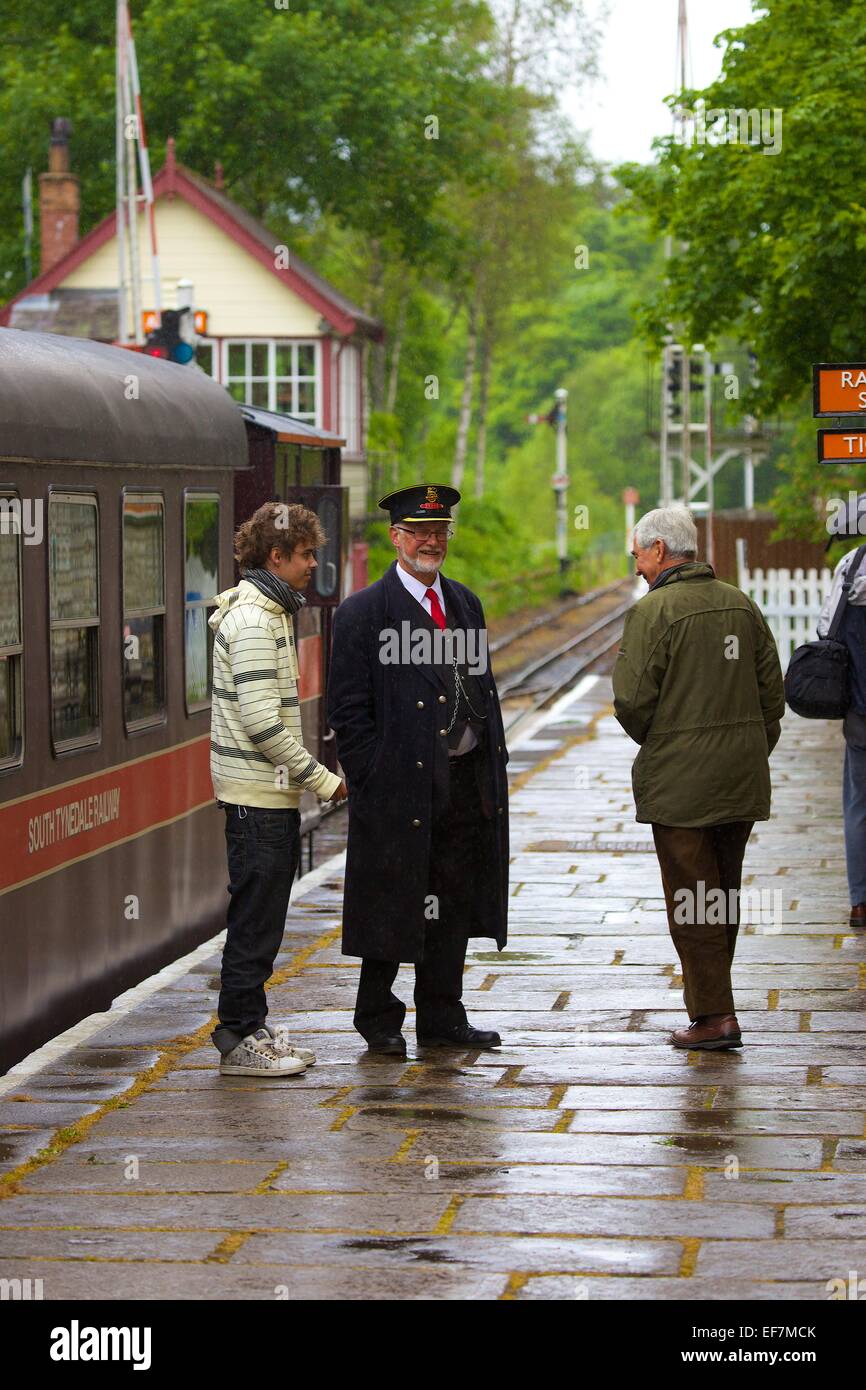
point(118, 476)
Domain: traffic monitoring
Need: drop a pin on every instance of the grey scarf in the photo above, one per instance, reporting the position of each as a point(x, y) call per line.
point(276, 588)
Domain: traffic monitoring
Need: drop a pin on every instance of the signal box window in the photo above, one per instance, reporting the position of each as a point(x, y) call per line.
point(11, 647)
point(73, 586)
point(274, 376)
point(201, 581)
point(143, 610)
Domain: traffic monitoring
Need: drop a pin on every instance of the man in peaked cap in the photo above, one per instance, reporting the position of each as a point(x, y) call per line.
point(420, 738)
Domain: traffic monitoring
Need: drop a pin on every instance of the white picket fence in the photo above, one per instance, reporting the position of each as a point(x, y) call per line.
point(790, 600)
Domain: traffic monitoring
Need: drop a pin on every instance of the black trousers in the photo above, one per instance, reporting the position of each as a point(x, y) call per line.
point(264, 850)
point(458, 840)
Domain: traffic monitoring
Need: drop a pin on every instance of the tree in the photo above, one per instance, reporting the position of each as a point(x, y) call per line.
point(518, 223)
point(317, 110)
point(768, 245)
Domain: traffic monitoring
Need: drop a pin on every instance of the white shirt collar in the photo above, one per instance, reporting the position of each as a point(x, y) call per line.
point(418, 589)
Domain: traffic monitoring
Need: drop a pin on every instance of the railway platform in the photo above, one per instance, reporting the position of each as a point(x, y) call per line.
point(585, 1159)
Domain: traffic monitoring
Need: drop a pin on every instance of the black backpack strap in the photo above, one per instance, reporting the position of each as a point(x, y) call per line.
point(850, 574)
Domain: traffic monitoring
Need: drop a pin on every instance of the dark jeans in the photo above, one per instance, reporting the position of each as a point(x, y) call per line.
point(460, 839)
point(264, 848)
point(713, 855)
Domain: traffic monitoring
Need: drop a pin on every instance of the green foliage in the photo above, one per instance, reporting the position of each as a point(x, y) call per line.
point(312, 109)
point(318, 115)
point(768, 244)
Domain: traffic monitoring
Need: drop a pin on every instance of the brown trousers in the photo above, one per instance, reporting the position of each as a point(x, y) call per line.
point(710, 855)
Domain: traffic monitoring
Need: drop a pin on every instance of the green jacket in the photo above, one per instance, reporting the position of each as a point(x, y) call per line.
point(697, 683)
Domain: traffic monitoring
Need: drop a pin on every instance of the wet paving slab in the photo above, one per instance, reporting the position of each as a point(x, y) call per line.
point(583, 1159)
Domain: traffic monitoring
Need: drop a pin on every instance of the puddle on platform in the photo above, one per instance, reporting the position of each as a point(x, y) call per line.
point(408, 1112)
point(425, 1253)
point(110, 1059)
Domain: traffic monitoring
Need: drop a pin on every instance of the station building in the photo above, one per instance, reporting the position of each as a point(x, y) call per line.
point(276, 334)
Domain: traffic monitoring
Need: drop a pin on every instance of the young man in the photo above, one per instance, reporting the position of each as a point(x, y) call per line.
point(697, 683)
point(259, 767)
point(420, 737)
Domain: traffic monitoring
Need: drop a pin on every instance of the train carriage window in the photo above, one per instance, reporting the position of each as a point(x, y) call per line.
point(327, 574)
point(73, 584)
point(143, 610)
point(11, 646)
point(312, 467)
point(201, 582)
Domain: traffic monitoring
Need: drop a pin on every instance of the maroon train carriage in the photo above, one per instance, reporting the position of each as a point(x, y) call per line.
point(117, 476)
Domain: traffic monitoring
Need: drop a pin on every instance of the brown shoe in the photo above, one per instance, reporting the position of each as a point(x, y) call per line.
point(858, 915)
point(709, 1034)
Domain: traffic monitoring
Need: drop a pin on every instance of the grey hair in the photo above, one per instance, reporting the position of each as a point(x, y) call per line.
point(673, 525)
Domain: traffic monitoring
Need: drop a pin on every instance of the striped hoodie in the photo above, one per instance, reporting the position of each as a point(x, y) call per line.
point(257, 755)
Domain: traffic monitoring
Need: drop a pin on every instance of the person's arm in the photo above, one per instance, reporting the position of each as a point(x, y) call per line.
point(637, 678)
point(351, 696)
point(771, 685)
point(831, 602)
point(252, 654)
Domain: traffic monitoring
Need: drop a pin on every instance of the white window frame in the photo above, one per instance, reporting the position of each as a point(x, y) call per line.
point(227, 380)
point(349, 399)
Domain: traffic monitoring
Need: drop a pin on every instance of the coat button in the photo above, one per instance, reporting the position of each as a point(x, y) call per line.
point(499, 747)
point(443, 732)
point(443, 699)
point(416, 822)
point(499, 810)
point(420, 704)
point(419, 764)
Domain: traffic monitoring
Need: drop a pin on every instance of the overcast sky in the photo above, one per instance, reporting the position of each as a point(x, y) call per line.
point(624, 110)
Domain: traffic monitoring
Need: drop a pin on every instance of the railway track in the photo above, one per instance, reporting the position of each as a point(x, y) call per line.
point(524, 693)
point(553, 616)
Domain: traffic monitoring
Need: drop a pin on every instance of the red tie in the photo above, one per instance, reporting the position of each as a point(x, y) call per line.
point(436, 609)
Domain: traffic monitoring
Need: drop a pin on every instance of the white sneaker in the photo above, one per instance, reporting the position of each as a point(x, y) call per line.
point(286, 1048)
point(257, 1055)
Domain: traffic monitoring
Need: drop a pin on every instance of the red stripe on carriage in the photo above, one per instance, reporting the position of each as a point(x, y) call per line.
point(44, 831)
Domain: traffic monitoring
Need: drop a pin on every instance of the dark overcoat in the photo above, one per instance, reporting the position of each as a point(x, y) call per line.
point(390, 720)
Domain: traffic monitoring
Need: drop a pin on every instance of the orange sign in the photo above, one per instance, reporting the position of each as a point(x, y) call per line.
point(842, 445)
point(839, 388)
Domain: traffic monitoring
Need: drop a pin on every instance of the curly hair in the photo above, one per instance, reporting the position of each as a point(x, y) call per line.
point(279, 524)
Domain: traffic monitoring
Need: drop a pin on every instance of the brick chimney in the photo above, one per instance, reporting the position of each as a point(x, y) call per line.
point(59, 199)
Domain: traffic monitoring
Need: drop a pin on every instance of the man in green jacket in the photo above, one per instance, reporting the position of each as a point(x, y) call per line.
point(698, 685)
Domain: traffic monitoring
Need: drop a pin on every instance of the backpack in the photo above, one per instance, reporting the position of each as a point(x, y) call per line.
point(817, 680)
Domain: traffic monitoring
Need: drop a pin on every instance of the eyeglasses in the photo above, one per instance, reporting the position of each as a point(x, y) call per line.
point(439, 533)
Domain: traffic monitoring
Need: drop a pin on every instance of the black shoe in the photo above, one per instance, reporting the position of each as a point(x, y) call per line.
point(387, 1042)
point(463, 1035)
